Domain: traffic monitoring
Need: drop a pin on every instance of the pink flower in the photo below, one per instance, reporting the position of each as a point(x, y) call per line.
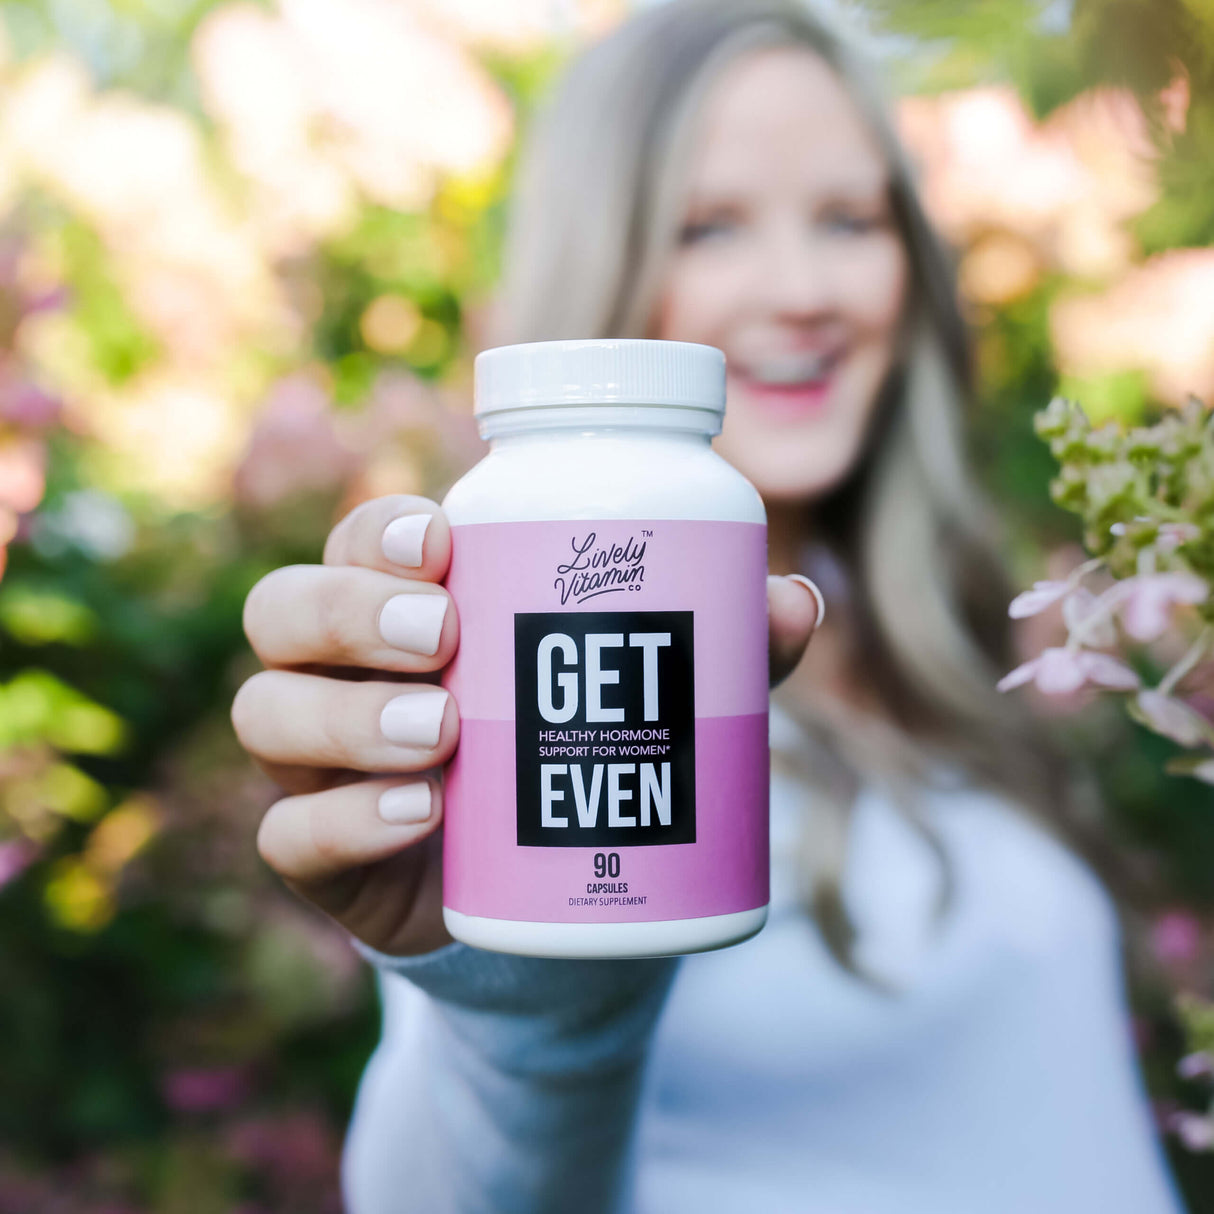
point(1172, 535)
point(22, 473)
point(1176, 937)
point(292, 1150)
point(294, 447)
point(1173, 719)
point(27, 406)
point(1042, 595)
point(205, 1089)
point(1196, 1066)
point(1194, 1130)
point(1147, 601)
point(1087, 614)
point(16, 855)
point(1062, 671)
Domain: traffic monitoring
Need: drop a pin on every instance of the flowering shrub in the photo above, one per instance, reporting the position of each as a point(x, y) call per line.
point(1146, 498)
point(1145, 495)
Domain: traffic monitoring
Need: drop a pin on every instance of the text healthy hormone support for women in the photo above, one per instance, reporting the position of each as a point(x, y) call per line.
point(609, 796)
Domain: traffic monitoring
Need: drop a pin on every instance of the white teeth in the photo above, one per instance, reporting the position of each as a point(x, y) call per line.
point(791, 370)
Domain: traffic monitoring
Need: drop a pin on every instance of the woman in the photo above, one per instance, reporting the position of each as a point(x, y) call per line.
point(933, 1019)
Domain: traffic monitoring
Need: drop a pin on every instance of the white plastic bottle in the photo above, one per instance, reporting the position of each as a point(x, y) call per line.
point(609, 795)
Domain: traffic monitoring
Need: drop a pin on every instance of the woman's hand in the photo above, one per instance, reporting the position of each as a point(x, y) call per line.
point(348, 719)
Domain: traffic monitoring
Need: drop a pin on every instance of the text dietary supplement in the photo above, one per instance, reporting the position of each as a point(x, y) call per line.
point(609, 795)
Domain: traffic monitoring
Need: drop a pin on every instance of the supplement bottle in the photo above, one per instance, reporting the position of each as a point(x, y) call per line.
point(609, 795)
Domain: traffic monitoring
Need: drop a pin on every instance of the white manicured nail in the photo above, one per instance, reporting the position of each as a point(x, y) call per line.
point(414, 621)
point(403, 539)
point(406, 803)
point(415, 719)
point(813, 589)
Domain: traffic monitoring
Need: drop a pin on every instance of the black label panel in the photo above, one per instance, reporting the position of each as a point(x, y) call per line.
point(604, 728)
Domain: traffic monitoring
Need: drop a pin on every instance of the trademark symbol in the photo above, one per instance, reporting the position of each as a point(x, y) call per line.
point(646, 531)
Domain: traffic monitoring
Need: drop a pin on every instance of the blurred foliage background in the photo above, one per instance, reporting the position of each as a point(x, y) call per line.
point(245, 250)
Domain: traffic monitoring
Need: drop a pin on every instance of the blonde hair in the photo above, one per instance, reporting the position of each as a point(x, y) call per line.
point(597, 207)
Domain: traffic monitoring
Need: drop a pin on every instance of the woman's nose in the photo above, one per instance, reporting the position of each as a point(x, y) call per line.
point(793, 278)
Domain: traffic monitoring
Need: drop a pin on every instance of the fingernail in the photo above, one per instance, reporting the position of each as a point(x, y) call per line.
point(414, 621)
point(406, 802)
point(415, 719)
point(813, 589)
point(403, 539)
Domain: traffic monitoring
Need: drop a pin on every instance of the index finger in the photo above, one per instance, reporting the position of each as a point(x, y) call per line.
point(399, 533)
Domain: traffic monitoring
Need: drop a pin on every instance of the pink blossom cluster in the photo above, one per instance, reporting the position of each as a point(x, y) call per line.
point(1146, 498)
point(1143, 606)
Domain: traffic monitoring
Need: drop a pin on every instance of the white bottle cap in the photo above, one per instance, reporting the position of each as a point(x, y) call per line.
point(610, 371)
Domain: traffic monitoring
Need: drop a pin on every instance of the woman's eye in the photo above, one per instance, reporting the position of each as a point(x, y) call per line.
point(694, 233)
point(852, 223)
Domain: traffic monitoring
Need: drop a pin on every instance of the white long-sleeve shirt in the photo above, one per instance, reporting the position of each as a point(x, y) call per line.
point(1000, 1077)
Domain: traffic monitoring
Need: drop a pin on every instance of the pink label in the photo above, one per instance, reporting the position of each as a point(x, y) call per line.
point(612, 684)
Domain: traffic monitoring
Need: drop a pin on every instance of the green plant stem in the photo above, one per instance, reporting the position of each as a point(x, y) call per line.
point(1196, 652)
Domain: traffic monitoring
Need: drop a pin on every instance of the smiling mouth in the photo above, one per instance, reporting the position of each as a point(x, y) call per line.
point(788, 369)
point(791, 371)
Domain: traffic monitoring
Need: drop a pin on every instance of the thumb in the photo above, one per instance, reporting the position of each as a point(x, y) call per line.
point(795, 608)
